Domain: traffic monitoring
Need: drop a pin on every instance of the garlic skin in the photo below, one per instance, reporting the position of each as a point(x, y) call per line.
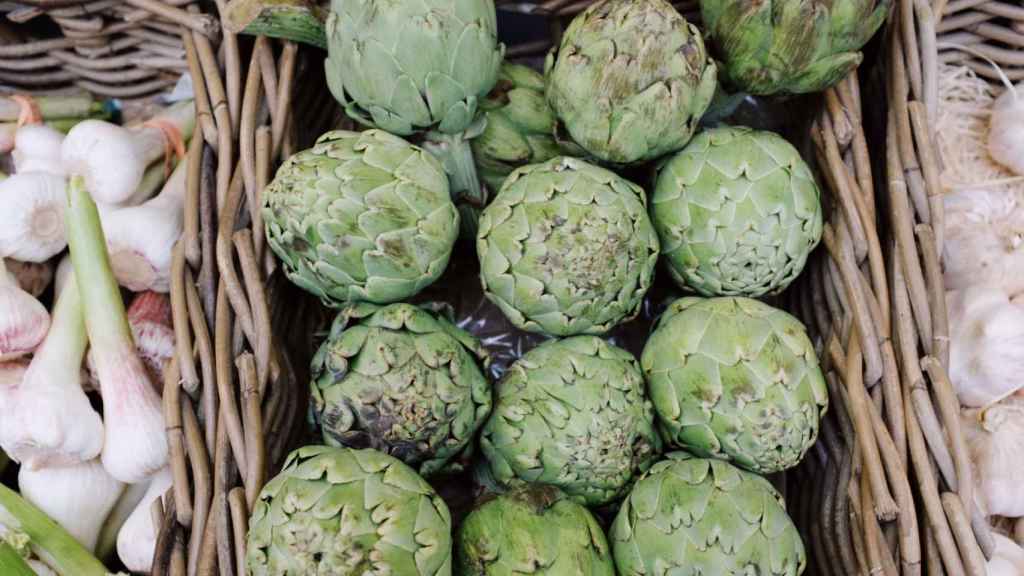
point(23, 320)
point(1008, 559)
point(37, 149)
point(986, 352)
point(136, 540)
point(995, 441)
point(32, 220)
point(984, 239)
point(78, 497)
point(33, 277)
point(1006, 130)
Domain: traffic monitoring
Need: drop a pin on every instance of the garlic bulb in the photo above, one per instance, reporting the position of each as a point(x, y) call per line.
point(986, 353)
point(78, 497)
point(1008, 559)
point(995, 440)
point(984, 239)
point(1006, 129)
point(136, 541)
point(37, 149)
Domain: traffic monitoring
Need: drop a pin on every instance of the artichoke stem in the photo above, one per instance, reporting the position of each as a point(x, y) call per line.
point(456, 155)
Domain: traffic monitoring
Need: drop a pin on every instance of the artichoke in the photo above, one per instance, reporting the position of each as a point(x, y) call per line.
point(349, 513)
point(693, 517)
point(520, 126)
point(789, 46)
point(737, 212)
point(567, 248)
point(736, 379)
point(403, 381)
point(533, 530)
point(416, 65)
point(630, 80)
point(361, 216)
point(570, 413)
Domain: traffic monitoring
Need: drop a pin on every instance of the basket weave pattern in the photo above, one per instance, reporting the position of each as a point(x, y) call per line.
point(112, 48)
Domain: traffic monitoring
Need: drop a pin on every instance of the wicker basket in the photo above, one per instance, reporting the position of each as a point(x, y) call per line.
point(112, 48)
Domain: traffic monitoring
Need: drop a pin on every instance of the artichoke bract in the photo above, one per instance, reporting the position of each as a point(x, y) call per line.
point(567, 248)
point(630, 80)
point(570, 413)
point(361, 216)
point(418, 65)
point(350, 513)
point(692, 517)
point(532, 530)
point(520, 126)
point(789, 46)
point(737, 212)
point(736, 379)
point(402, 380)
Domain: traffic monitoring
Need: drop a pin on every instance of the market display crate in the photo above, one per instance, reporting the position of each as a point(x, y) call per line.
point(887, 488)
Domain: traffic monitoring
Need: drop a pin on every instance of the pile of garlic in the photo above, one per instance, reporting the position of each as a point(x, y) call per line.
point(981, 141)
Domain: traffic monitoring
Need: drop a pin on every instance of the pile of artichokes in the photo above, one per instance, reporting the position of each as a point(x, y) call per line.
point(584, 458)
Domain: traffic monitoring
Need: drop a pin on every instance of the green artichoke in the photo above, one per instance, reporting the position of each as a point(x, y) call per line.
point(737, 212)
point(361, 216)
point(736, 379)
point(567, 248)
point(693, 517)
point(348, 513)
point(630, 80)
point(570, 413)
point(417, 65)
point(789, 46)
point(533, 530)
point(403, 381)
point(520, 126)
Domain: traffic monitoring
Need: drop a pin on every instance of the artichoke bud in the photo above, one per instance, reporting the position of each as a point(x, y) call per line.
point(361, 216)
point(574, 414)
point(630, 80)
point(341, 511)
point(735, 379)
point(401, 380)
point(691, 517)
point(790, 46)
point(534, 530)
point(567, 248)
point(737, 212)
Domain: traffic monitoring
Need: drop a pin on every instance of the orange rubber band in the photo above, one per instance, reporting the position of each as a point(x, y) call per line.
point(28, 110)
point(174, 143)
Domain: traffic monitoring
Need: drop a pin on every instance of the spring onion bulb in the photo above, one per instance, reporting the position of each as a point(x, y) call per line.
point(78, 497)
point(140, 238)
point(113, 159)
point(23, 320)
point(32, 219)
point(48, 420)
point(135, 443)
